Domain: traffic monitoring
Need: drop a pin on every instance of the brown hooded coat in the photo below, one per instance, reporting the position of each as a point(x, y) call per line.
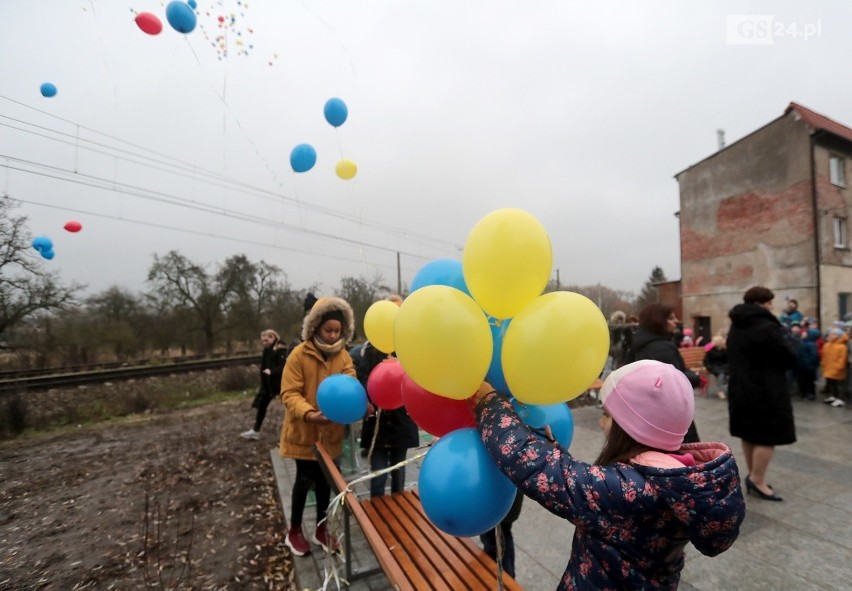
point(306, 368)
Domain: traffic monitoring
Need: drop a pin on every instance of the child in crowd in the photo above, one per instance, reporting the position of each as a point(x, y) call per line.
point(645, 497)
point(327, 328)
point(834, 359)
point(716, 363)
point(808, 357)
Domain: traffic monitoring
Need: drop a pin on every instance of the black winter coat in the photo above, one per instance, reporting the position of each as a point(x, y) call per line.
point(396, 429)
point(758, 395)
point(648, 345)
point(273, 359)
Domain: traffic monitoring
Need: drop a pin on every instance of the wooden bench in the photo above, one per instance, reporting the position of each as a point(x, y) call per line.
point(412, 552)
point(693, 358)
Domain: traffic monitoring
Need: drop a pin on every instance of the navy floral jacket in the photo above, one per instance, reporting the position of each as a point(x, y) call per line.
point(632, 521)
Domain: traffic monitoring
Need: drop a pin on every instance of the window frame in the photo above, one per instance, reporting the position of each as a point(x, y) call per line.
point(841, 235)
point(837, 171)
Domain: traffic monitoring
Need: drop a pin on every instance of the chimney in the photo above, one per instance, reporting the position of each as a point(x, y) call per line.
point(720, 137)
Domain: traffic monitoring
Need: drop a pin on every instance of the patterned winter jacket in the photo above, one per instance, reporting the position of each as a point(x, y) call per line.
point(632, 521)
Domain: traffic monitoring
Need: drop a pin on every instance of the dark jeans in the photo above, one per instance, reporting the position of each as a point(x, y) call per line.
point(807, 382)
point(384, 457)
point(836, 388)
point(261, 403)
point(309, 476)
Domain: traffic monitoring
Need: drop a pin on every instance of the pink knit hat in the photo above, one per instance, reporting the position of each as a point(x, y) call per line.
point(652, 401)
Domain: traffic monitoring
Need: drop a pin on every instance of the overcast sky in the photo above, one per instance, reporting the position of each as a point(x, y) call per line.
point(579, 112)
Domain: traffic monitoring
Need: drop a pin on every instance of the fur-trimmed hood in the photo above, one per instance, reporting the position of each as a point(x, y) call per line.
point(321, 308)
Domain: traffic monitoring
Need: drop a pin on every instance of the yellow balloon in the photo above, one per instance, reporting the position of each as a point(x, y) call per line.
point(346, 169)
point(554, 348)
point(507, 261)
point(443, 341)
point(378, 325)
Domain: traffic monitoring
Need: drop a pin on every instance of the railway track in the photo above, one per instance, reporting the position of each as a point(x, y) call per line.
point(77, 378)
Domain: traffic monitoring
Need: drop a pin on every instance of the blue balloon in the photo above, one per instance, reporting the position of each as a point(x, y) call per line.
point(335, 112)
point(180, 16)
point(495, 370)
point(558, 416)
point(192, 4)
point(440, 272)
point(303, 157)
point(462, 490)
point(48, 254)
point(48, 90)
point(342, 399)
point(42, 243)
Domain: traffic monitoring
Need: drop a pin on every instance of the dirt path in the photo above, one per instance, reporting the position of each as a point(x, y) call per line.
point(74, 508)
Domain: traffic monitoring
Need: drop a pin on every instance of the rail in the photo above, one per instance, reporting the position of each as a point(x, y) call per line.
point(56, 380)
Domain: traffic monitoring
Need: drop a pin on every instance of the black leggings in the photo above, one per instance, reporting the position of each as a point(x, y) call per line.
point(262, 404)
point(309, 475)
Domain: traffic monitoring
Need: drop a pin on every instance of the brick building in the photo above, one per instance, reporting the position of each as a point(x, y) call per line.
point(770, 209)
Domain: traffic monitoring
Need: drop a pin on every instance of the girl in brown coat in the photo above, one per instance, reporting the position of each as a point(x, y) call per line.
point(834, 358)
point(327, 328)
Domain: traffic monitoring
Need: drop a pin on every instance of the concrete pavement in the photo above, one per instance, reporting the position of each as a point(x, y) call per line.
point(801, 544)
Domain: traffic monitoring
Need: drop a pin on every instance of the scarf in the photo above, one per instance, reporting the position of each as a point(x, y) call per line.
point(329, 350)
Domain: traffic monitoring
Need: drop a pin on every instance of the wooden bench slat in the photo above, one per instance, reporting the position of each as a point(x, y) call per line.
point(414, 554)
point(406, 549)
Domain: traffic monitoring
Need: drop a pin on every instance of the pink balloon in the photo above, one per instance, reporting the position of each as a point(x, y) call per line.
point(437, 415)
point(385, 384)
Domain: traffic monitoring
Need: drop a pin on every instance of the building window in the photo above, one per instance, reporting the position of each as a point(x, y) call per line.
point(839, 232)
point(837, 171)
point(843, 305)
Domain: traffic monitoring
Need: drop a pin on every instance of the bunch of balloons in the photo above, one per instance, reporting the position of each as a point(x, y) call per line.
point(179, 14)
point(303, 157)
point(484, 318)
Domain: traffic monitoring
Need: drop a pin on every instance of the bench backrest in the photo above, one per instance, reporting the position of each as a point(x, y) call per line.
point(693, 357)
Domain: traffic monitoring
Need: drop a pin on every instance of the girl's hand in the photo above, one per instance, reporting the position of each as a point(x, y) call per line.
point(317, 418)
point(267, 372)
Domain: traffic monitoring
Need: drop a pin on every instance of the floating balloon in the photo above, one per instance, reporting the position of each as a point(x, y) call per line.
point(462, 491)
point(554, 348)
point(346, 169)
point(192, 4)
point(180, 16)
point(495, 375)
point(342, 399)
point(73, 226)
point(507, 261)
point(556, 416)
point(42, 243)
point(443, 341)
point(385, 384)
point(149, 23)
point(378, 325)
point(303, 157)
point(335, 112)
point(437, 415)
point(440, 272)
point(47, 254)
point(48, 90)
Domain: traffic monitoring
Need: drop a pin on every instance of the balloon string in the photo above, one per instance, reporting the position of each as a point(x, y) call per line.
point(498, 537)
point(375, 438)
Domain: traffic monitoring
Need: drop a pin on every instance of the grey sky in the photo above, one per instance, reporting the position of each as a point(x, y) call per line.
point(577, 112)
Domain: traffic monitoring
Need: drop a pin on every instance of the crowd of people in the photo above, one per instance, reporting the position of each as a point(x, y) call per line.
point(652, 450)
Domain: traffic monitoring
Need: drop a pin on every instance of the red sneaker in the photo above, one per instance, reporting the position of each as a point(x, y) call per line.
point(296, 541)
point(322, 538)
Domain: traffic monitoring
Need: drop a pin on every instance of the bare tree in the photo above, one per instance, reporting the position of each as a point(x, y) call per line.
point(26, 289)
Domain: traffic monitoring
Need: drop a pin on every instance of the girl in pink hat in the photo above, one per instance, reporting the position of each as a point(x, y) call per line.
point(646, 496)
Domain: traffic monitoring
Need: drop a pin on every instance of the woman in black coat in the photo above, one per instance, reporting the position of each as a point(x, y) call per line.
point(759, 405)
point(654, 339)
point(271, 367)
point(396, 431)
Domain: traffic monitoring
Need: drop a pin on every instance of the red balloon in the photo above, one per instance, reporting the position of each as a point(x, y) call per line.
point(437, 415)
point(385, 384)
point(73, 226)
point(149, 23)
